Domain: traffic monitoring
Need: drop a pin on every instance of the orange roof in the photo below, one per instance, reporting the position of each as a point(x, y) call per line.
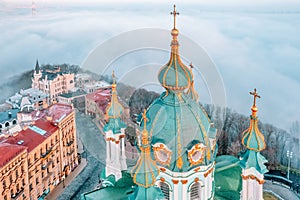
point(9, 151)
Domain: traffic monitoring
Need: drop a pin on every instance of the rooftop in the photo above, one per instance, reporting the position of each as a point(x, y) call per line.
point(11, 151)
point(32, 136)
point(73, 94)
point(101, 97)
point(4, 116)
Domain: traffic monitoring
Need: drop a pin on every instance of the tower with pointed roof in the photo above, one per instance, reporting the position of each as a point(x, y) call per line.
point(183, 140)
point(251, 161)
point(37, 74)
point(115, 136)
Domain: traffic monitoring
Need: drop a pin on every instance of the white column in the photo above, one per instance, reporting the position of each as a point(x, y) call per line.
point(123, 157)
point(184, 191)
point(176, 192)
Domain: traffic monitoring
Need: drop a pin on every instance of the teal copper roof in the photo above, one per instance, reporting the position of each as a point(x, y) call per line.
point(228, 180)
point(145, 171)
point(175, 75)
point(114, 111)
point(253, 139)
point(123, 189)
point(179, 123)
point(253, 159)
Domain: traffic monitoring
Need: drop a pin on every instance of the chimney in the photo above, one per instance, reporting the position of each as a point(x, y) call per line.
point(9, 115)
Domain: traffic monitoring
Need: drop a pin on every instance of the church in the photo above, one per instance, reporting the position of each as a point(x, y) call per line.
point(177, 147)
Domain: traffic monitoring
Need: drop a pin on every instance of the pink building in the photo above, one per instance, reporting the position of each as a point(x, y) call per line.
point(52, 81)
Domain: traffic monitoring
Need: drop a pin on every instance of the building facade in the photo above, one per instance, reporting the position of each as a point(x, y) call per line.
point(52, 82)
point(50, 152)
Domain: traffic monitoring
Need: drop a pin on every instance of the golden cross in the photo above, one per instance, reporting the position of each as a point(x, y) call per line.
point(255, 95)
point(174, 13)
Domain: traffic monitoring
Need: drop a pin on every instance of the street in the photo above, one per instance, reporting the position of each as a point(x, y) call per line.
point(94, 151)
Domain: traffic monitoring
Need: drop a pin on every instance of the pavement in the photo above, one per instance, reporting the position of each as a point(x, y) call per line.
point(60, 188)
point(281, 191)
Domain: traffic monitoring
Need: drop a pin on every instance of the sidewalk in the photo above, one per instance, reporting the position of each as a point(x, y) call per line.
point(59, 189)
point(282, 191)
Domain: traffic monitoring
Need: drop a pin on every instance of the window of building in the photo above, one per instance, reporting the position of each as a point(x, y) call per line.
point(195, 191)
point(30, 187)
point(4, 184)
point(7, 124)
point(37, 181)
point(165, 190)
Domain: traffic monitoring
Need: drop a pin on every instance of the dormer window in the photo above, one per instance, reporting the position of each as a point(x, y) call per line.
point(196, 154)
point(162, 153)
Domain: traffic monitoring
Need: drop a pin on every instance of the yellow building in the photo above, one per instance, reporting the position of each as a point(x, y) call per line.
point(49, 154)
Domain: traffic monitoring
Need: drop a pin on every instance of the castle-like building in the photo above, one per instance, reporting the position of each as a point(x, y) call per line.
point(52, 82)
point(177, 147)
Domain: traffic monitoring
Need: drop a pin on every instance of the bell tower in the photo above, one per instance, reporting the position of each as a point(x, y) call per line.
point(115, 136)
point(251, 161)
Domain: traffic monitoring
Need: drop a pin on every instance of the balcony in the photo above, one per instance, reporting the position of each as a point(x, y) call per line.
point(70, 143)
point(47, 164)
point(71, 152)
point(18, 194)
point(43, 155)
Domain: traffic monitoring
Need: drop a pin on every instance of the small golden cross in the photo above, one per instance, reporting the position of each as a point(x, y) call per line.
point(255, 95)
point(174, 13)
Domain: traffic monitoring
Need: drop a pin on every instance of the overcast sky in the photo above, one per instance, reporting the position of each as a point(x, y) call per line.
point(253, 43)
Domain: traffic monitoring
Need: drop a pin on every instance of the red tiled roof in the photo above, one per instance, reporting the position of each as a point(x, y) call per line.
point(8, 152)
point(58, 111)
point(101, 97)
point(31, 138)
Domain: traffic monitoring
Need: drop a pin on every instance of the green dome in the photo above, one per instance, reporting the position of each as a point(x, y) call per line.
point(253, 139)
point(179, 123)
point(175, 75)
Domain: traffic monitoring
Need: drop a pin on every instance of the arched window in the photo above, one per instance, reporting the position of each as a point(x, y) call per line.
point(14, 122)
point(195, 191)
point(7, 124)
point(165, 189)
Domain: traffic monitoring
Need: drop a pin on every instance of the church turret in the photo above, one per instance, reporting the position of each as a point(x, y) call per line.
point(252, 162)
point(115, 136)
point(145, 171)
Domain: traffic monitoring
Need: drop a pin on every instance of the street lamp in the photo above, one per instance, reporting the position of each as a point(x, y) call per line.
point(289, 154)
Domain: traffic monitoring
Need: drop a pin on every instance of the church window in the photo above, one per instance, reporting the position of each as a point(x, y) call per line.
point(196, 154)
point(162, 153)
point(165, 189)
point(195, 191)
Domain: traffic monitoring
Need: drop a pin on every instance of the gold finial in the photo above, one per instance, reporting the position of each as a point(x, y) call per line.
point(145, 118)
point(145, 132)
point(255, 95)
point(174, 13)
